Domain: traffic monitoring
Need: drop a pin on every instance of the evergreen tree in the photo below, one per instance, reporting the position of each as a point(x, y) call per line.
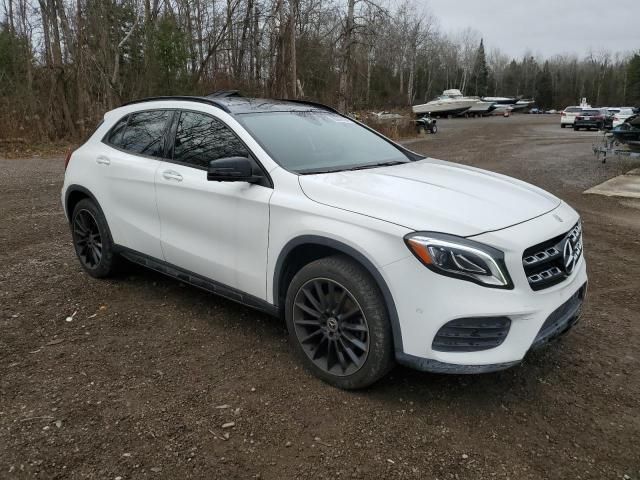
point(544, 87)
point(480, 78)
point(633, 75)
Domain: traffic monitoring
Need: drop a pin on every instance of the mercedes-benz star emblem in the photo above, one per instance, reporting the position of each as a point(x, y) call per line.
point(568, 256)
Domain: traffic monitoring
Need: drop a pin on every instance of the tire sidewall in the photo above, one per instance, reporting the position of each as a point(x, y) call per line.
point(359, 283)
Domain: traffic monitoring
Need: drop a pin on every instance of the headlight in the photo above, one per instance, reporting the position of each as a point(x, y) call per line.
point(460, 258)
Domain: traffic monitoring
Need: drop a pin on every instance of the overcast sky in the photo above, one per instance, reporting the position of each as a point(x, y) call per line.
point(546, 27)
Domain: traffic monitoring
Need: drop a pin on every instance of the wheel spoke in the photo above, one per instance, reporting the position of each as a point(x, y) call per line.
point(309, 310)
point(331, 288)
point(308, 323)
point(312, 299)
point(341, 359)
point(355, 342)
point(311, 336)
point(350, 353)
point(330, 350)
point(320, 294)
point(316, 349)
point(354, 328)
point(350, 314)
point(341, 300)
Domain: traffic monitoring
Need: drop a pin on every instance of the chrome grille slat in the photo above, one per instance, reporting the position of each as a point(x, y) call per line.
point(544, 264)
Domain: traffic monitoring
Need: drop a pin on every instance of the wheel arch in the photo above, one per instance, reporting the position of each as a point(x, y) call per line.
point(73, 195)
point(306, 248)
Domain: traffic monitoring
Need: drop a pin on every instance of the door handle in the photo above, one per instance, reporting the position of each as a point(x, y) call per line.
point(102, 160)
point(172, 175)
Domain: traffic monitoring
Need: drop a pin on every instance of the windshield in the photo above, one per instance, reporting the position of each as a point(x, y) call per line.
point(319, 141)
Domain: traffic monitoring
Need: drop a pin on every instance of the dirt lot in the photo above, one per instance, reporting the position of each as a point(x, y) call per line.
point(134, 386)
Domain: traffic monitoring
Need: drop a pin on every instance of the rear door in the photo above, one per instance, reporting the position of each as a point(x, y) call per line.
point(216, 229)
point(137, 143)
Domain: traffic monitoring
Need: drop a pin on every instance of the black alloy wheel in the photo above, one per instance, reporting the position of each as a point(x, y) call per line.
point(331, 327)
point(92, 240)
point(87, 239)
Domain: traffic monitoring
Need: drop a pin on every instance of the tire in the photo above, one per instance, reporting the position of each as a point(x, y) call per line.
point(434, 129)
point(562, 125)
point(87, 217)
point(326, 334)
point(575, 129)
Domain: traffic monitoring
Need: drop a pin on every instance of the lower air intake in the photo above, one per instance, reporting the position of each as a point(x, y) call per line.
point(471, 334)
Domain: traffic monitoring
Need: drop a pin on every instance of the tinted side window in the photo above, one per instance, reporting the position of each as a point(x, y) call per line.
point(201, 138)
point(115, 135)
point(144, 134)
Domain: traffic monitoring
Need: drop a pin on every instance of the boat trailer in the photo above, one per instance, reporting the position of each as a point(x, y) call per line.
point(610, 147)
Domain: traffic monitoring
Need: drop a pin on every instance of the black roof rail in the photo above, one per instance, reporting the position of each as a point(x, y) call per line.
point(208, 100)
point(225, 93)
point(311, 104)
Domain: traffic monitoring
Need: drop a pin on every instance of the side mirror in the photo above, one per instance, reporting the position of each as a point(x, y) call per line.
point(232, 169)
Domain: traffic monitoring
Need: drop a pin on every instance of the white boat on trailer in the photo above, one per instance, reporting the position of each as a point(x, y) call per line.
point(478, 108)
point(445, 105)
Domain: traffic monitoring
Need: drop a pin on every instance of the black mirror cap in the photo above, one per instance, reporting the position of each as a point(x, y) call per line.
point(232, 169)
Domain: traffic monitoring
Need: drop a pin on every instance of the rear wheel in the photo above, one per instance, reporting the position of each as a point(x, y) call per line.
point(338, 323)
point(562, 125)
point(92, 240)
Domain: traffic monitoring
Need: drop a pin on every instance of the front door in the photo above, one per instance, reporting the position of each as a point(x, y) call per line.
point(216, 229)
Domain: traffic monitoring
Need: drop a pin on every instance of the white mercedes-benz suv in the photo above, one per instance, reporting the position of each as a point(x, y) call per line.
point(372, 253)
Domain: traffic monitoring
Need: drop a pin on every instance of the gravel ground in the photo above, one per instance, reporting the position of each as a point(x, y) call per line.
point(155, 379)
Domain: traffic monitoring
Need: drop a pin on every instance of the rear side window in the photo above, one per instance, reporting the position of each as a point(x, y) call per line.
point(141, 133)
point(144, 134)
point(114, 137)
point(201, 138)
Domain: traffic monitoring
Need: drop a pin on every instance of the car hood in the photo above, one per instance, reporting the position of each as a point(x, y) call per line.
point(432, 195)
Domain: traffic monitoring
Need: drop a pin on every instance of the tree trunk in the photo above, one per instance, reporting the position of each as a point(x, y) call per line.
point(293, 7)
point(345, 60)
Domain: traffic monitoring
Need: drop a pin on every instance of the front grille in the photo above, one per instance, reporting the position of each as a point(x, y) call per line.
point(471, 334)
point(551, 262)
point(561, 319)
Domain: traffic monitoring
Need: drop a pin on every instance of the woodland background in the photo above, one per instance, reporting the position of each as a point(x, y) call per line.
point(63, 63)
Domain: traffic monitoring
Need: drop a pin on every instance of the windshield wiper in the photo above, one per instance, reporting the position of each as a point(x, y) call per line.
point(376, 165)
point(349, 169)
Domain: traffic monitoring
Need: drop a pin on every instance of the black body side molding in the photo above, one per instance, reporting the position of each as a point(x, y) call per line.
point(196, 280)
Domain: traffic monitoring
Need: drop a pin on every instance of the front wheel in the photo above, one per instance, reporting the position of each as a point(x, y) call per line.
point(338, 323)
point(434, 129)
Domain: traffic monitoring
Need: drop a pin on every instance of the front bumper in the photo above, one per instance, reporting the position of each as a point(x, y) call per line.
point(426, 301)
point(556, 325)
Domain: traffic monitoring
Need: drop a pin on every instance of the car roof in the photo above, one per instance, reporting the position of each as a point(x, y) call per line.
point(236, 104)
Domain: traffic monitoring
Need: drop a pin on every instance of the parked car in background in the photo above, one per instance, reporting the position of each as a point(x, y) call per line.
point(568, 116)
point(621, 115)
point(372, 253)
point(589, 118)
